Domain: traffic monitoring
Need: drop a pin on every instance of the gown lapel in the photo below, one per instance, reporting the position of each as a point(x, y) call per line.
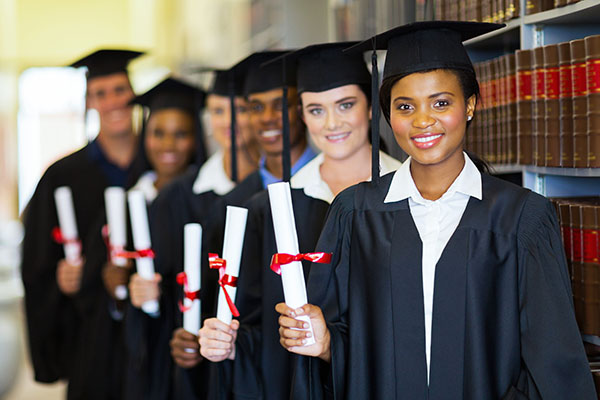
point(407, 307)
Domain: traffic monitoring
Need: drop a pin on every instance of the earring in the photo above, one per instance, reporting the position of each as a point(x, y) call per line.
point(469, 117)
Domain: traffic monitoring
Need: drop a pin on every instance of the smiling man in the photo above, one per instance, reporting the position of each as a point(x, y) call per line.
point(52, 285)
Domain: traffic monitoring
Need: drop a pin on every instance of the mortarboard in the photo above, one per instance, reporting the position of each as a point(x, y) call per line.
point(173, 93)
point(106, 62)
point(419, 46)
point(422, 46)
point(325, 66)
point(262, 77)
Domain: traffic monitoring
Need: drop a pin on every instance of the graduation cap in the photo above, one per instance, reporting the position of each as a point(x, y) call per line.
point(261, 76)
point(173, 93)
point(320, 67)
point(106, 62)
point(415, 47)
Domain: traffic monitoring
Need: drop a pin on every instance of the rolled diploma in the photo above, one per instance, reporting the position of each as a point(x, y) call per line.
point(292, 275)
point(114, 199)
point(235, 228)
point(141, 241)
point(192, 238)
point(68, 227)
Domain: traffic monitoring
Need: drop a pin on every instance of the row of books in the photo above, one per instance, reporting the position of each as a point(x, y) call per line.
point(540, 106)
point(491, 10)
point(579, 220)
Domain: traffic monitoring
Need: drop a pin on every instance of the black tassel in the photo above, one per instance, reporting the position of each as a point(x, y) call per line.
point(286, 156)
point(375, 112)
point(234, 171)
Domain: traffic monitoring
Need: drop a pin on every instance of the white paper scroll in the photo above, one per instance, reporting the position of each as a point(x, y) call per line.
point(235, 228)
point(141, 241)
point(68, 226)
point(292, 275)
point(114, 199)
point(192, 238)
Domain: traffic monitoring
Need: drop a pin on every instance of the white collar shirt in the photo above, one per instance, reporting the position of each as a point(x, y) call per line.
point(309, 179)
point(436, 221)
point(212, 176)
point(145, 184)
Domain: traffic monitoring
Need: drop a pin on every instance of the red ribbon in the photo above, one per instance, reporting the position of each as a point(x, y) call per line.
point(183, 281)
point(118, 251)
point(280, 259)
point(58, 237)
point(224, 280)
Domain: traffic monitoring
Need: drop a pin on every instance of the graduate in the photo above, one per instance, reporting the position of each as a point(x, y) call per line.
point(445, 282)
point(189, 198)
point(168, 145)
point(52, 285)
point(334, 92)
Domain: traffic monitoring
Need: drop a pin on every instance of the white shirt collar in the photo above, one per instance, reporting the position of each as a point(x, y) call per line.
point(403, 186)
point(309, 177)
point(145, 184)
point(212, 176)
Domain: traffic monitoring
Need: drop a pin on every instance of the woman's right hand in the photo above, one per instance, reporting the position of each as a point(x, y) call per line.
point(293, 334)
point(142, 290)
point(217, 340)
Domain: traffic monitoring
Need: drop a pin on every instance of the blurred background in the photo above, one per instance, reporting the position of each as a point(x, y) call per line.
point(42, 102)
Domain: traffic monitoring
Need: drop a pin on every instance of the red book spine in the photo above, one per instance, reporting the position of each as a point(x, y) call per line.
point(579, 82)
point(566, 105)
point(592, 56)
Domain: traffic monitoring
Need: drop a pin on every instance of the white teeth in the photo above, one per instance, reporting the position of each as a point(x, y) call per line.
point(426, 139)
point(271, 133)
point(337, 137)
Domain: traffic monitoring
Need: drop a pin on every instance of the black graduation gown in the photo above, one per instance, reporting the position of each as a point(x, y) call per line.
point(262, 368)
point(503, 322)
point(53, 319)
point(150, 369)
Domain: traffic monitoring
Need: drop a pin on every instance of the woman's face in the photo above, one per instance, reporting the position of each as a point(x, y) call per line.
point(337, 119)
point(219, 109)
point(170, 141)
point(428, 114)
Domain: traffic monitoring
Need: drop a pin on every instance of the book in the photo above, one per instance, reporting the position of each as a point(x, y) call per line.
point(566, 105)
point(592, 60)
point(579, 90)
point(552, 106)
point(524, 107)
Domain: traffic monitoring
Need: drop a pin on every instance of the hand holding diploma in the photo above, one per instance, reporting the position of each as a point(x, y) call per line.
point(185, 349)
point(143, 290)
point(68, 277)
point(294, 337)
point(217, 340)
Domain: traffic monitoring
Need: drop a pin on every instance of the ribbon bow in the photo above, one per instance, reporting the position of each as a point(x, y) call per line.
point(182, 280)
point(58, 237)
point(118, 251)
point(224, 280)
point(280, 259)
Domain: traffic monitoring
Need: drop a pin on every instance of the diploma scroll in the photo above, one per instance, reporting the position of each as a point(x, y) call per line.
point(141, 241)
point(235, 228)
point(68, 226)
point(192, 237)
point(292, 274)
point(114, 199)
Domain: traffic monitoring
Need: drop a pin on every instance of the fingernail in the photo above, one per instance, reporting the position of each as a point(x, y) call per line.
point(292, 314)
point(308, 334)
point(304, 341)
point(305, 325)
point(299, 310)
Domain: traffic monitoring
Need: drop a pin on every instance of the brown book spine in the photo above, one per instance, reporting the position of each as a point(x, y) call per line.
point(552, 106)
point(486, 10)
point(502, 102)
point(539, 106)
point(547, 5)
point(592, 60)
point(462, 11)
point(572, 1)
point(524, 107)
point(492, 112)
point(579, 84)
point(566, 105)
point(501, 11)
point(591, 269)
point(477, 16)
point(560, 3)
point(533, 6)
point(511, 108)
point(577, 263)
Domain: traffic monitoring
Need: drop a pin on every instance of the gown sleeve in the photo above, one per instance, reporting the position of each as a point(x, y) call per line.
point(328, 288)
point(551, 346)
